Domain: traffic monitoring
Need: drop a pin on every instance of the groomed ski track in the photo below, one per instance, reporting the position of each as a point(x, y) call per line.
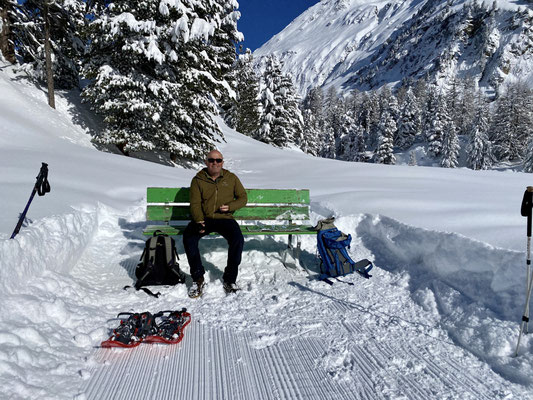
point(284, 336)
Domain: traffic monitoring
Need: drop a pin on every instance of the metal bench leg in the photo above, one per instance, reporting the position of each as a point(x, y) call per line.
point(298, 255)
point(286, 252)
point(289, 249)
point(295, 253)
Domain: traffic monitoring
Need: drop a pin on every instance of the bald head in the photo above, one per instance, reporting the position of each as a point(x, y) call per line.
point(214, 162)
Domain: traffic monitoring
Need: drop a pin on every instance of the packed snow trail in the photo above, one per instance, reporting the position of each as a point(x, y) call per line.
point(284, 336)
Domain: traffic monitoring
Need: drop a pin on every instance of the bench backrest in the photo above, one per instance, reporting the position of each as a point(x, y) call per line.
point(172, 204)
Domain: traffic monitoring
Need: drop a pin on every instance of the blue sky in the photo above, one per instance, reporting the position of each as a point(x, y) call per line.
point(262, 19)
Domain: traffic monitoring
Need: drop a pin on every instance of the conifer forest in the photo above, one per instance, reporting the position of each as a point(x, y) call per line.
point(158, 73)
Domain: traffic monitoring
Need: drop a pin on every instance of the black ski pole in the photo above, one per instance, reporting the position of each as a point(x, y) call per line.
point(526, 209)
point(41, 188)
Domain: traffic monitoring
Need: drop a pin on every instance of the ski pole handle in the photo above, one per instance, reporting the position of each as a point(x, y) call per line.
point(41, 187)
point(525, 209)
point(42, 184)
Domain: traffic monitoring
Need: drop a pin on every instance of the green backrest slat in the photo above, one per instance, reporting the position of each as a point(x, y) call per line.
point(285, 196)
point(273, 213)
point(177, 213)
point(271, 196)
point(167, 213)
point(167, 195)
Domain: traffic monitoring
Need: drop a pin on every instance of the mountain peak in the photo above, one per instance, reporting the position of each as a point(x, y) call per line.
point(354, 44)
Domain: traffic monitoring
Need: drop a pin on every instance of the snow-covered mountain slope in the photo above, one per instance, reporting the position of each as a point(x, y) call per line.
point(365, 44)
point(439, 318)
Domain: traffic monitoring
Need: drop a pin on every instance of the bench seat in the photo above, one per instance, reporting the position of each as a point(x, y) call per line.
point(268, 212)
point(176, 230)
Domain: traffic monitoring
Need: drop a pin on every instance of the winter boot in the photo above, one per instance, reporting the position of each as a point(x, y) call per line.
point(231, 287)
point(197, 288)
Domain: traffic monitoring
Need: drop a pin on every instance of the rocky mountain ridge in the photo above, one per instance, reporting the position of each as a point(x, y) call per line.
point(355, 44)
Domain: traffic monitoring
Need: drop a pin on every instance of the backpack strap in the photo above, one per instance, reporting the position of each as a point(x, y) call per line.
point(152, 246)
point(168, 250)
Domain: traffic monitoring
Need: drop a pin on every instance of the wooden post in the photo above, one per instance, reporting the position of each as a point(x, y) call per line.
point(6, 41)
point(48, 53)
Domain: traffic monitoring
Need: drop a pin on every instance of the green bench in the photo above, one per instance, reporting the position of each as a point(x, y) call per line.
point(268, 212)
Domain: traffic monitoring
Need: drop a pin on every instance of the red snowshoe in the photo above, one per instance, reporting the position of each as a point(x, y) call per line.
point(169, 327)
point(131, 330)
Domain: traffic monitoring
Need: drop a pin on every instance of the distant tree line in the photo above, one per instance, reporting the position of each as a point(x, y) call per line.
point(158, 71)
point(373, 126)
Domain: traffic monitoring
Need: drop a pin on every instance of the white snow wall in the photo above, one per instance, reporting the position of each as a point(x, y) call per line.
point(50, 244)
point(487, 275)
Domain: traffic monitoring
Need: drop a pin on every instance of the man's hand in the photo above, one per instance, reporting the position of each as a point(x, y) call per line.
point(224, 208)
point(201, 226)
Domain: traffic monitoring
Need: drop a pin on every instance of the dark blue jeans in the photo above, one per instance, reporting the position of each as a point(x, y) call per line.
point(230, 230)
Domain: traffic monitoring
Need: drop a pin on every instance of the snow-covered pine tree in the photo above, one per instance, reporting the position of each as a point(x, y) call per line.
point(480, 148)
point(66, 21)
point(386, 128)
point(352, 140)
point(501, 135)
point(421, 91)
point(389, 102)
point(290, 104)
point(467, 106)
point(314, 101)
point(436, 118)
point(154, 76)
point(512, 123)
point(523, 119)
point(281, 121)
point(225, 38)
point(267, 102)
point(327, 143)
point(450, 145)
point(222, 48)
point(311, 135)
point(528, 160)
point(243, 111)
point(312, 112)
point(409, 122)
point(333, 109)
point(369, 118)
point(452, 98)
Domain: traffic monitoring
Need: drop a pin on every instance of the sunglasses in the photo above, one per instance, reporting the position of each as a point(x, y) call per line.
point(212, 160)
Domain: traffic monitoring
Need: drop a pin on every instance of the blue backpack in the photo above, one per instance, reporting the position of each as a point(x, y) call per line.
point(332, 247)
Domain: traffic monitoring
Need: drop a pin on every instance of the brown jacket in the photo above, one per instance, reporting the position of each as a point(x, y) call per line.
point(208, 195)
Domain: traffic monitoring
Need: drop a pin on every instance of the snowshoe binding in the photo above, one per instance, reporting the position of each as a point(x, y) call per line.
point(197, 289)
point(169, 327)
point(132, 330)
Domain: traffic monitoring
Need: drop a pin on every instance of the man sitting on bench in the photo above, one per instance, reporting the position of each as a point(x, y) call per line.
point(214, 195)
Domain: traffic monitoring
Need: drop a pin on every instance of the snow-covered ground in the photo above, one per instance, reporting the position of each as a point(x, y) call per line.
point(438, 320)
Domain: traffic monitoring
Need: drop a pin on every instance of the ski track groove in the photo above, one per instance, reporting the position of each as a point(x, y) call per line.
point(448, 374)
point(379, 356)
point(285, 371)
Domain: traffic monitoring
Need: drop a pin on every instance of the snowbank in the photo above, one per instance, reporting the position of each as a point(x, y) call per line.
point(52, 244)
point(484, 274)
